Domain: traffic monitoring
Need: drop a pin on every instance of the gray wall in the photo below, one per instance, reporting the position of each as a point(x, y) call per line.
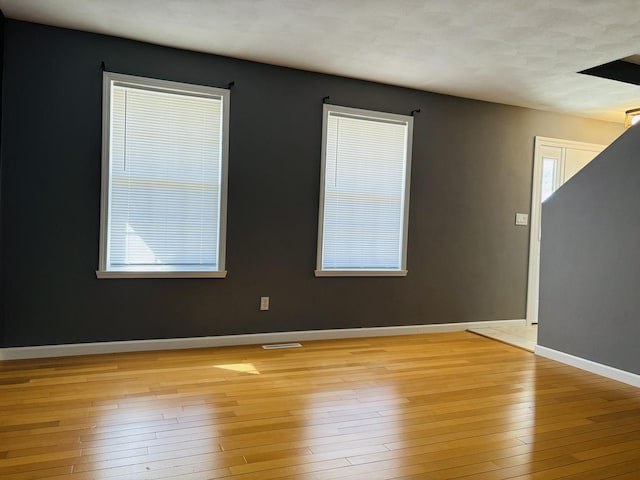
point(471, 172)
point(2, 20)
point(590, 261)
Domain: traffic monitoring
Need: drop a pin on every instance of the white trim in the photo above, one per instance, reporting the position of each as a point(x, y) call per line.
point(323, 174)
point(183, 274)
point(15, 353)
point(360, 273)
point(535, 214)
point(588, 365)
point(559, 142)
point(407, 189)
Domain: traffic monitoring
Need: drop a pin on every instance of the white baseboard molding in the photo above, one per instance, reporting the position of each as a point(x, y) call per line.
point(43, 351)
point(589, 366)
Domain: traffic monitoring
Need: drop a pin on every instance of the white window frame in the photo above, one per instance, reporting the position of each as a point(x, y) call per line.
point(109, 79)
point(374, 116)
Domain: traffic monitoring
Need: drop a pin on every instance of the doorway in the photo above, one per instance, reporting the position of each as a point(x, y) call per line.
point(554, 162)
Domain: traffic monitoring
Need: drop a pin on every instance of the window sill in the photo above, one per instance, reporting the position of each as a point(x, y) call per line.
point(361, 273)
point(108, 275)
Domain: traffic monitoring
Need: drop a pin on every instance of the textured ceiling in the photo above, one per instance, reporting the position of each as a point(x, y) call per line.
point(518, 52)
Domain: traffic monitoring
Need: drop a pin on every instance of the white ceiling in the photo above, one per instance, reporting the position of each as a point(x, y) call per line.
point(517, 52)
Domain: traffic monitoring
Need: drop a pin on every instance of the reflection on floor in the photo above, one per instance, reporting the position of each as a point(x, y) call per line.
point(439, 406)
point(522, 336)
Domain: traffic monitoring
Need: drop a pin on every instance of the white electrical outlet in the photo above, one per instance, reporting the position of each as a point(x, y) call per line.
point(264, 303)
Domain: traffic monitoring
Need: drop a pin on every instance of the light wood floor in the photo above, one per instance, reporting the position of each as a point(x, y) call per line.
point(438, 406)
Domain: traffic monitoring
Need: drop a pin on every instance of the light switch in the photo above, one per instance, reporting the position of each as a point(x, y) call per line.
point(522, 219)
point(264, 303)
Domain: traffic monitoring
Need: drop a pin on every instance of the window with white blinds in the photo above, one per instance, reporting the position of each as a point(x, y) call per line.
point(165, 150)
point(364, 195)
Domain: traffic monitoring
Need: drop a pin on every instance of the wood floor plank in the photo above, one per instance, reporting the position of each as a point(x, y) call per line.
point(439, 406)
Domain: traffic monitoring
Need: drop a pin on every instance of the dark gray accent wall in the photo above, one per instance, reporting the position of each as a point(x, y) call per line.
point(2, 19)
point(590, 260)
point(471, 172)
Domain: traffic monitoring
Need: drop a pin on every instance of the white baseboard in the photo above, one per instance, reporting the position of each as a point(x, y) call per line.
point(16, 353)
point(589, 366)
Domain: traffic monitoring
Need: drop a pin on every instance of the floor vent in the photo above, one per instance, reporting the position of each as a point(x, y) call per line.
point(281, 345)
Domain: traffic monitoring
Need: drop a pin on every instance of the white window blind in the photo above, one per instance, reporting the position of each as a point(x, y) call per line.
point(166, 165)
point(364, 195)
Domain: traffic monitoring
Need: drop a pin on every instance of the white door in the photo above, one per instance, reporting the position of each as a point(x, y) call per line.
point(555, 161)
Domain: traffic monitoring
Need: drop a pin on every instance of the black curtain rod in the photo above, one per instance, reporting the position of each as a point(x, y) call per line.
point(229, 85)
point(413, 112)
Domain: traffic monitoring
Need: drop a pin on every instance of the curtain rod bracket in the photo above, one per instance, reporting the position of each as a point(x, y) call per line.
point(325, 99)
point(413, 112)
point(103, 66)
point(231, 84)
